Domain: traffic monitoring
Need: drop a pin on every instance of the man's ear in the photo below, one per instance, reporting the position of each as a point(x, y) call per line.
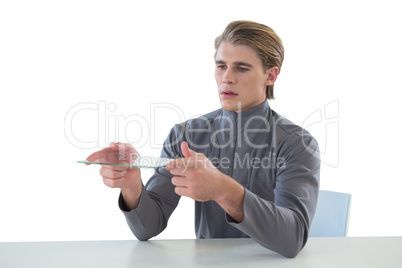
point(272, 74)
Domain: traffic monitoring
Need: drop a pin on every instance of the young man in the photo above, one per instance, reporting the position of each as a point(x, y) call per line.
point(251, 172)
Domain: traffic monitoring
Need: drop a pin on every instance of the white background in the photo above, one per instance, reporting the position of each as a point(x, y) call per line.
point(342, 63)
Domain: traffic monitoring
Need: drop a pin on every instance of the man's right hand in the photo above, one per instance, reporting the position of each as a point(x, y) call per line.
point(128, 179)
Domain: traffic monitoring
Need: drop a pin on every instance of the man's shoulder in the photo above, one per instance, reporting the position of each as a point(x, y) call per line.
point(287, 128)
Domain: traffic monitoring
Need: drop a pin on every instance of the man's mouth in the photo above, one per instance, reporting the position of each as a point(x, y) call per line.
point(229, 93)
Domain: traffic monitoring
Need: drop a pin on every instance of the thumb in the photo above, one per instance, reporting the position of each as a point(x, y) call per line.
point(186, 151)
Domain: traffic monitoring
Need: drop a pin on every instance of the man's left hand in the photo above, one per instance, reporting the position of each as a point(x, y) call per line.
point(195, 176)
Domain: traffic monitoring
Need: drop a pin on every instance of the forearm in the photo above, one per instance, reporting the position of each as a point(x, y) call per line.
point(277, 228)
point(156, 203)
point(145, 221)
point(131, 196)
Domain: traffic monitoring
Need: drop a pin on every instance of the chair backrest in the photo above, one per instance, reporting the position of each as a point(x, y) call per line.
point(331, 216)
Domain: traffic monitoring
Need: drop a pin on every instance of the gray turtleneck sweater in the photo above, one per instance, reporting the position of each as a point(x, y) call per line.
point(276, 161)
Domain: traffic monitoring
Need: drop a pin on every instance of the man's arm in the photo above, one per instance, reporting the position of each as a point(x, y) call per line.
point(154, 208)
point(157, 199)
point(282, 225)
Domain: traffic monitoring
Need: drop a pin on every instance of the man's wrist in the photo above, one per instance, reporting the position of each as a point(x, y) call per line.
point(231, 199)
point(131, 197)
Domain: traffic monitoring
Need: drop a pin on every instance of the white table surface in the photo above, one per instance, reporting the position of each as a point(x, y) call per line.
point(319, 252)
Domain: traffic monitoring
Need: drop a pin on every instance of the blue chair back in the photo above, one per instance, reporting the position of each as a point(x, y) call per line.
point(331, 216)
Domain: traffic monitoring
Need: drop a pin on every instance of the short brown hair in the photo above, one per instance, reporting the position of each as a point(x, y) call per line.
point(261, 38)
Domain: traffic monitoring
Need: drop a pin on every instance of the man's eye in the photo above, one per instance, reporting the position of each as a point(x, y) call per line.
point(220, 67)
point(241, 69)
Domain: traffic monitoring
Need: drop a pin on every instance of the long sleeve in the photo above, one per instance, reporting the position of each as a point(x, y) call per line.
point(158, 199)
point(282, 225)
point(155, 206)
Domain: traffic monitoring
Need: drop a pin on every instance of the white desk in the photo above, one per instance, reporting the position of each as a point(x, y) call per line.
point(245, 253)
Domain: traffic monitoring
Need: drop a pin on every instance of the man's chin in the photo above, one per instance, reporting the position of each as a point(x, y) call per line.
point(231, 107)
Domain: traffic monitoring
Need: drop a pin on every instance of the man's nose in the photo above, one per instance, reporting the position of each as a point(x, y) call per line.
point(229, 77)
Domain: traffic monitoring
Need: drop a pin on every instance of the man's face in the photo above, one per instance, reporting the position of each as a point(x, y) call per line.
point(240, 77)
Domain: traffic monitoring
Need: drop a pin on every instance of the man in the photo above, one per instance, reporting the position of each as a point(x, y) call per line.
point(251, 172)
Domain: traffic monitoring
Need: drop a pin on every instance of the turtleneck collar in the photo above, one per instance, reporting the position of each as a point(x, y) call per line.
point(261, 109)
